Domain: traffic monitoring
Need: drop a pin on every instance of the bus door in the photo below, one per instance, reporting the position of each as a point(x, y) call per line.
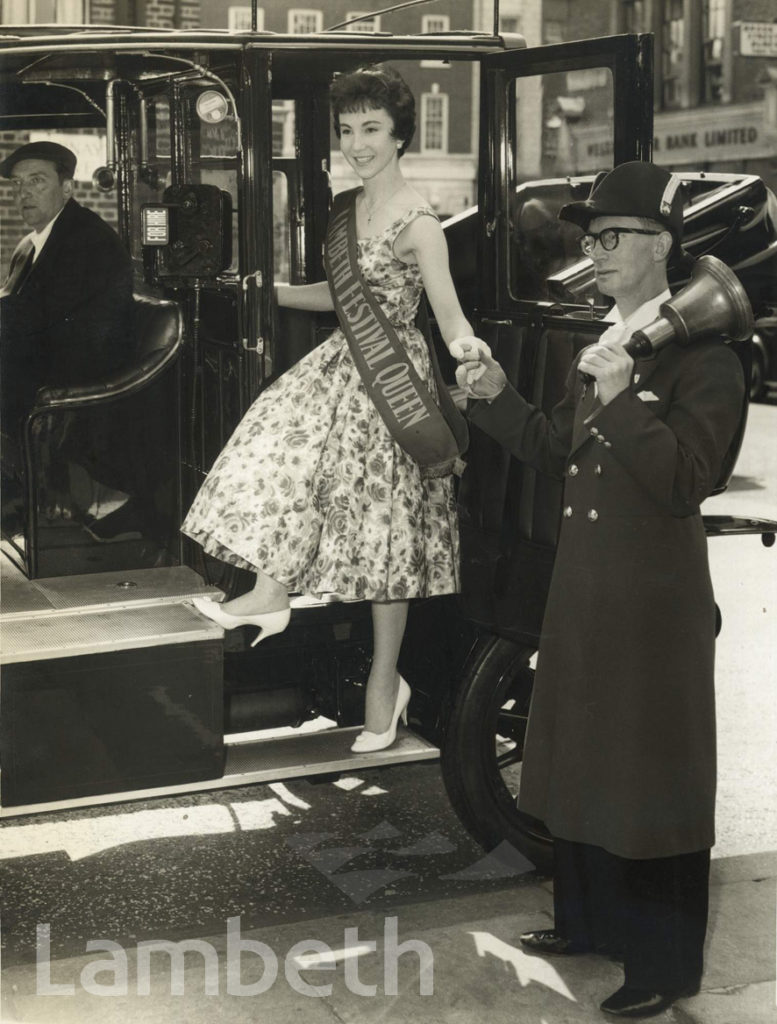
point(552, 117)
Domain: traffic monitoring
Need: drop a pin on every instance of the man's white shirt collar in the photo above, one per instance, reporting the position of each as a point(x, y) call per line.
point(39, 238)
point(641, 317)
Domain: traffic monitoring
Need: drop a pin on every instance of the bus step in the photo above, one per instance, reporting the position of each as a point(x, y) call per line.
point(63, 594)
point(265, 760)
point(316, 753)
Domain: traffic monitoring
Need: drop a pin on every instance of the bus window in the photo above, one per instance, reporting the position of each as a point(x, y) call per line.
point(218, 166)
point(284, 126)
point(563, 128)
point(281, 227)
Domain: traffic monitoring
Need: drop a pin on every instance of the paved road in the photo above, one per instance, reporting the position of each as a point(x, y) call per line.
point(744, 574)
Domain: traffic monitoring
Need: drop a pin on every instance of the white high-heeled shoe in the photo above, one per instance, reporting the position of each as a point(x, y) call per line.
point(368, 741)
point(268, 622)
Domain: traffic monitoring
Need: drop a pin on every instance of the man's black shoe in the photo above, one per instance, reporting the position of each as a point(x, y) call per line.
point(549, 941)
point(121, 524)
point(637, 1002)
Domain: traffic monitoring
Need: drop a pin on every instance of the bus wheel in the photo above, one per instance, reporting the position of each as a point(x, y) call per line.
point(482, 750)
point(757, 376)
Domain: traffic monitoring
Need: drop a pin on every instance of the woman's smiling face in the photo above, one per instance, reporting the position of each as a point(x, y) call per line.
point(367, 141)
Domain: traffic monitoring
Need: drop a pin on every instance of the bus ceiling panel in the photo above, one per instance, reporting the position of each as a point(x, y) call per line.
point(137, 66)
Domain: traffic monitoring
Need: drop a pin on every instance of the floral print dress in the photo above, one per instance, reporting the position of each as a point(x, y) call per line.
point(312, 489)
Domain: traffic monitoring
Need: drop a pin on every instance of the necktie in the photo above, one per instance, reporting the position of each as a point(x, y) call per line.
point(21, 261)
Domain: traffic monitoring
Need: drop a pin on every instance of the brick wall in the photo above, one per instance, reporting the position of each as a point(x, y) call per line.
point(190, 14)
point(102, 12)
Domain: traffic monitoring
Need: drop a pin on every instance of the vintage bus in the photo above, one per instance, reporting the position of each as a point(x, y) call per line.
point(218, 172)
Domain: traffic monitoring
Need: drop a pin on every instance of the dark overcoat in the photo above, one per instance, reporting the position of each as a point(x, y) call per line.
point(620, 748)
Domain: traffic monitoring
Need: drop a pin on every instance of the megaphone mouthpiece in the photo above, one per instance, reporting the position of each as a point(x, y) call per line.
point(713, 301)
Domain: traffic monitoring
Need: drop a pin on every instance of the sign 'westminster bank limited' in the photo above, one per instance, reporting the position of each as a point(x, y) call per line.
point(698, 136)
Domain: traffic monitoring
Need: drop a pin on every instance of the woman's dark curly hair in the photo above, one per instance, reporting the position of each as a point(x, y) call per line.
point(376, 87)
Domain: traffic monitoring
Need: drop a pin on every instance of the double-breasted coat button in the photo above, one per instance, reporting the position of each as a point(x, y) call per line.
point(608, 444)
point(593, 515)
point(597, 470)
point(594, 431)
point(601, 440)
point(568, 512)
point(573, 470)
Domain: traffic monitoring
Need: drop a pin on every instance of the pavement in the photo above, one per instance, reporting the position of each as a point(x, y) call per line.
point(456, 960)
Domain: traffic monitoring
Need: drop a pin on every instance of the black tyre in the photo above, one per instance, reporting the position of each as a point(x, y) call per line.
point(482, 750)
point(757, 376)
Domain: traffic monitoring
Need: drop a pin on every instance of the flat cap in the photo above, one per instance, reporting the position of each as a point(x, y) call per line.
point(61, 156)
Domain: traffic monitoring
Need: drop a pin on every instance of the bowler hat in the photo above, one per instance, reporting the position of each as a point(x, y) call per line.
point(63, 158)
point(633, 189)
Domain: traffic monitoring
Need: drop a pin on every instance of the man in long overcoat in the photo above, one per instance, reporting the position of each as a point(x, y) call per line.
point(620, 760)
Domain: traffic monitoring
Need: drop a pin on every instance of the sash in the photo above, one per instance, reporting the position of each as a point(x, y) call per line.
point(433, 435)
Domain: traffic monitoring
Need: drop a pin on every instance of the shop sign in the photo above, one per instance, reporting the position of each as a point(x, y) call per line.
point(719, 135)
point(757, 38)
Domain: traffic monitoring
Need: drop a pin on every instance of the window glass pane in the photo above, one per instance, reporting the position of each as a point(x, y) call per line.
point(281, 226)
point(435, 23)
point(434, 122)
point(713, 42)
point(562, 126)
point(71, 12)
point(673, 53)
point(365, 24)
point(15, 12)
point(158, 112)
point(305, 20)
point(239, 18)
point(283, 128)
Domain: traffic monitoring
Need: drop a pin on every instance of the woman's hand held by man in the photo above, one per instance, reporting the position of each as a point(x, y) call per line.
point(479, 374)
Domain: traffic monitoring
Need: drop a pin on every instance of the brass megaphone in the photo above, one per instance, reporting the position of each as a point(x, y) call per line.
point(712, 301)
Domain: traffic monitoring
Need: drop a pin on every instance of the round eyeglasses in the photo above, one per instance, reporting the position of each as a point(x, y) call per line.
point(609, 238)
point(35, 184)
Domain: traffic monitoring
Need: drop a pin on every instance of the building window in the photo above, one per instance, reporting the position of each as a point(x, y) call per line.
point(434, 121)
point(239, 18)
point(633, 16)
point(713, 42)
point(434, 24)
point(672, 55)
point(42, 12)
point(509, 23)
point(304, 20)
point(283, 129)
point(365, 24)
point(72, 12)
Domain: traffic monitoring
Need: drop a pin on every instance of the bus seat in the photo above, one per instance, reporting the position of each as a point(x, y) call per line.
point(90, 449)
point(158, 333)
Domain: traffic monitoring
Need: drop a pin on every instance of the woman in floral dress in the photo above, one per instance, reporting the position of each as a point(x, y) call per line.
point(311, 492)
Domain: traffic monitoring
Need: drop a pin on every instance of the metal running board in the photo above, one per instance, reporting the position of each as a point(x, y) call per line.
point(71, 616)
point(42, 638)
point(105, 590)
point(268, 760)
